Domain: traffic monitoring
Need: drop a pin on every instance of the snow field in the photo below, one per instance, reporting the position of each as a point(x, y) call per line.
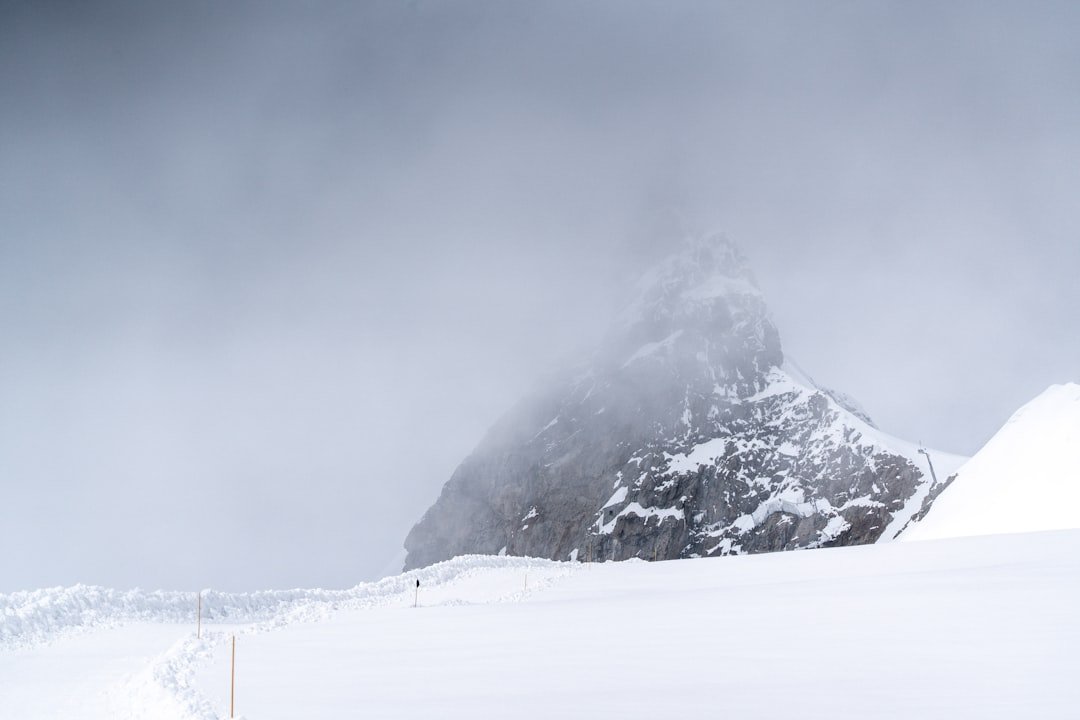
point(977, 627)
point(973, 627)
point(75, 677)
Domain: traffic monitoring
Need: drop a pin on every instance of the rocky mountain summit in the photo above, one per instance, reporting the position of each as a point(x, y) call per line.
point(685, 435)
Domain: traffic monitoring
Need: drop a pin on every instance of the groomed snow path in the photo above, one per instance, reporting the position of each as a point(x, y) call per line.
point(981, 627)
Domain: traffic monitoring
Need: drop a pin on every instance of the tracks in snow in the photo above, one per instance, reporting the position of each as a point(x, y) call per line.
point(165, 688)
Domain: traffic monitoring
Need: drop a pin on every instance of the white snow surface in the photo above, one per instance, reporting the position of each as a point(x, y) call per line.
point(616, 497)
point(972, 627)
point(637, 509)
point(704, 453)
point(1026, 478)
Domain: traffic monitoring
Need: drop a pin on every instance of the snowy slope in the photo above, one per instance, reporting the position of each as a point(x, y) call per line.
point(1026, 478)
point(974, 627)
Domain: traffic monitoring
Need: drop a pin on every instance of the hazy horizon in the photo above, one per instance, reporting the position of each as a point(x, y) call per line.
point(268, 273)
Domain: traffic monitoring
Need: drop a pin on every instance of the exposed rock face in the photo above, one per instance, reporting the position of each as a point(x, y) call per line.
point(687, 435)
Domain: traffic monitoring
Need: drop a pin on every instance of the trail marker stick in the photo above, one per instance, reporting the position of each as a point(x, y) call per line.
point(232, 681)
point(416, 595)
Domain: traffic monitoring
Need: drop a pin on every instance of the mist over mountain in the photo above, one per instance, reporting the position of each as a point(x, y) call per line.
point(686, 434)
point(269, 271)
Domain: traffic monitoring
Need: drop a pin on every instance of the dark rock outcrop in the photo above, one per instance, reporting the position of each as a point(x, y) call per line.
point(686, 435)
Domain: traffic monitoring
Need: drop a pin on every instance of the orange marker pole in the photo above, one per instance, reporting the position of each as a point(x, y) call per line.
point(232, 681)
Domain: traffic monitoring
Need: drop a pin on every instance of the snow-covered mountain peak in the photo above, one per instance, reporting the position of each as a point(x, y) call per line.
point(704, 271)
point(699, 259)
point(685, 435)
point(700, 311)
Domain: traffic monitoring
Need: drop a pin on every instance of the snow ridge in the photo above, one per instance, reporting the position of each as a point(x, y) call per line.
point(40, 616)
point(1025, 479)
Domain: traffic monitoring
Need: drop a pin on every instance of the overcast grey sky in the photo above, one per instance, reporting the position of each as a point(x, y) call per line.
point(267, 272)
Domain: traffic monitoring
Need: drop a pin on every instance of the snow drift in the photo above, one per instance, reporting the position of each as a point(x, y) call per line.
point(39, 616)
